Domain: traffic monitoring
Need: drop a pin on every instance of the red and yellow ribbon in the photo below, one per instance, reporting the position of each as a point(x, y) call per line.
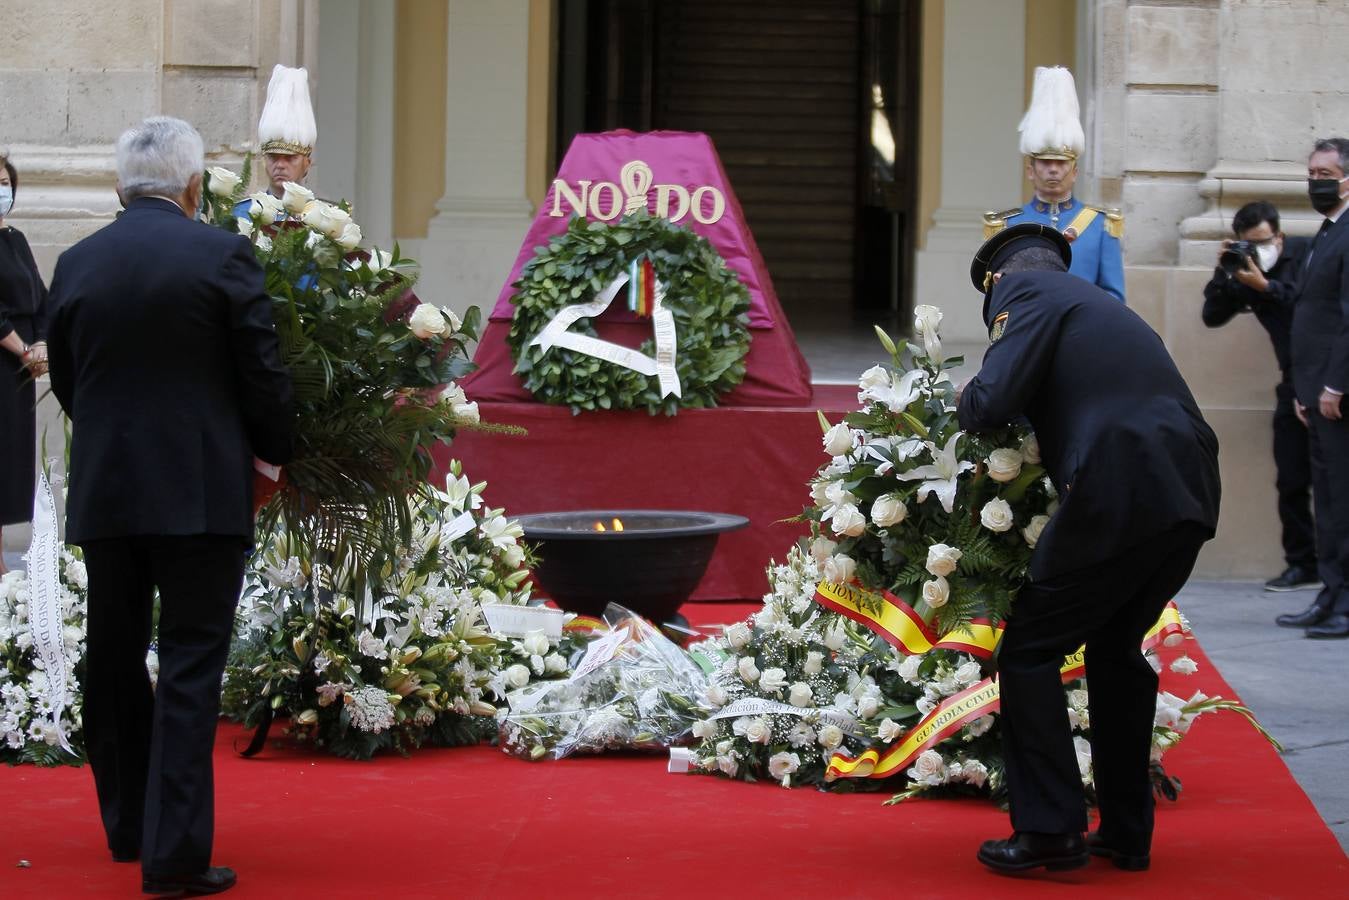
point(584, 625)
point(956, 711)
point(900, 625)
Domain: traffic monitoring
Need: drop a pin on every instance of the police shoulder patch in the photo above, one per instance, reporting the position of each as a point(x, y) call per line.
point(998, 327)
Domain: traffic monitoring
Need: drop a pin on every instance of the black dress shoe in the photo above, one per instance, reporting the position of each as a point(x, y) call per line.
point(1312, 615)
point(1027, 850)
point(212, 881)
point(1335, 625)
point(1130, 862)
point(1295, 578)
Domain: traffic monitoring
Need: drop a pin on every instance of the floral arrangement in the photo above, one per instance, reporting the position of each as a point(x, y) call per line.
point(373, 371)
point(908, 504)
point(28, 733)
point(708, 303)
point(413, 662)
point(632, 689)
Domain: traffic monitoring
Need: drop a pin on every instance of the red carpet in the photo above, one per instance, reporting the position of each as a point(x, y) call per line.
point(473, 823)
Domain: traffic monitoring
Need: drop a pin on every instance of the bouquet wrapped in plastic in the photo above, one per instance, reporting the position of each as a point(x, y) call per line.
point(632, 689)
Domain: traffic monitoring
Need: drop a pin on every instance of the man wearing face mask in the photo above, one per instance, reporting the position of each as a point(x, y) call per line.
point(1259, 274)
point(1320, 345)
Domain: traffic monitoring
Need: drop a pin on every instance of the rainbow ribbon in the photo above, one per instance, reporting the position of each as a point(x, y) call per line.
point(641, 286)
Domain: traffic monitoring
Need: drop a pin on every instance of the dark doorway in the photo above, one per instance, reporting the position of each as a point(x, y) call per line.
point(811, 105)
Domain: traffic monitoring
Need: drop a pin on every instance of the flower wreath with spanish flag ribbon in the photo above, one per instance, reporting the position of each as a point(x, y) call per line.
point(659, 272)
point(868, 665)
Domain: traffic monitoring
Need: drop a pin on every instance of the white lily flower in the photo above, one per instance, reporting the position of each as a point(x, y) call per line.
point(941, 476)
point(898, 397)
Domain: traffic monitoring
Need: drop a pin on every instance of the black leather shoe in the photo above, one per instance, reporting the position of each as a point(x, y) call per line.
point(1333, 626)
point(1129, 862)
point(1312, 615)
point(1295, 578)
point(1026, 850)
point(212, 881)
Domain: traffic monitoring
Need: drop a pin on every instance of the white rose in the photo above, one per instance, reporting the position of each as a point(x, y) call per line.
point(889, 730)
point(223, 181)
point(704, 729)
point(1030, 450)
point(1184, 666)
point(975, 773)
point(514, 556)
point(837, 495)
point(996, 515)
point(295, 197)
point(838, 440)
point(780, 765)
point(819, 493)
point(1078, 698)
point(1083, 749)
point(715, 695)
point(821, 549)
point(839, 569)
point(936, 592)
point(814, 663)
point(330, 221)
point(942, 560)
point(350, 238)
point(759, 731)
point(554, 664)
point(245, 227)
point(738, 635)
point(773, 679)
point(835, 637)
point(1004, 464)
point(1033, 531)
point(868, 706)
point(264, 243)
point(875, 377)
point(748, 670)
point(930, 768)
point(848, 521)
point(517, 676)
point(801, 695)
point(264, 207)
point(830, 736)
point(968, 672)
point(908, 669)
point(926, 319)
point(426, 321)
point(888, 510)
point(979, 726)
point(728, 765)
point(535, 643)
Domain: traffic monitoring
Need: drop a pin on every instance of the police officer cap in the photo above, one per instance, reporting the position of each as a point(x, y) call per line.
point(999, 248)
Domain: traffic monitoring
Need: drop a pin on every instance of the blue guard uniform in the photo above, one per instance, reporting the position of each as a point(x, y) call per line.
point(1093, 232)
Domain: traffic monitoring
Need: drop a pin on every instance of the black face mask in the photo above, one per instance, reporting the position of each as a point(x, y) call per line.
point(1324, 194)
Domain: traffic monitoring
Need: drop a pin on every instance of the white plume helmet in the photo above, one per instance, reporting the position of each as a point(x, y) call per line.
point(287, 122)
point(1052, 126)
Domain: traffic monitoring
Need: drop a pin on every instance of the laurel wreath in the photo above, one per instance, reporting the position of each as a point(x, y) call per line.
point(707, 300)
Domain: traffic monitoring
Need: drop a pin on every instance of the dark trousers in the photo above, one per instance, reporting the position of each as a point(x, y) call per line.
point(1330, 493)
point(1293, 480)
point(1109, 607)
point(150, 750)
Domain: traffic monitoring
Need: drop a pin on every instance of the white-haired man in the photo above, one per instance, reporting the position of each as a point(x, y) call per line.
point(163, 354)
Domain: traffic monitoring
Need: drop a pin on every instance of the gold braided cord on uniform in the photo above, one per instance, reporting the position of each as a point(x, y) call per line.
point(280, 146)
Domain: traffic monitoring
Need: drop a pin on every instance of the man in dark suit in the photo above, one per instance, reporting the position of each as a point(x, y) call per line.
point(1136, 470)
point(1265, 284)
point(164, 356)
point(1320, 378)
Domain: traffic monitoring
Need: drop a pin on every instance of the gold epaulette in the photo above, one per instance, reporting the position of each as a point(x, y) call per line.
point(997, 221)
point(1114, 220)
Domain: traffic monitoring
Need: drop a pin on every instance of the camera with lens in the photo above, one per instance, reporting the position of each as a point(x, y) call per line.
point(1233, 259)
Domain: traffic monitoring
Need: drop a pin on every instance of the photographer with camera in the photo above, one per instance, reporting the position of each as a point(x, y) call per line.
point(1258, 273)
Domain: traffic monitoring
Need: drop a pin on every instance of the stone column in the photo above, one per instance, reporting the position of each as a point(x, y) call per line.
point(475, 234)
point(982, 102)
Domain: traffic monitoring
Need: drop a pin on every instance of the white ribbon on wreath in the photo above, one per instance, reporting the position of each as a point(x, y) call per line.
point(44, 606)
point(557, 334)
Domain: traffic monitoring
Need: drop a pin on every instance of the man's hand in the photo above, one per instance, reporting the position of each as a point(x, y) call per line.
point(960, 390)
point(1251, 276)
point(1330, 404)
point(1301, 412)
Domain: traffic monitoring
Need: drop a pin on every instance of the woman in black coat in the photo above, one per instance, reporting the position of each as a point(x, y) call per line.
point(23, 357)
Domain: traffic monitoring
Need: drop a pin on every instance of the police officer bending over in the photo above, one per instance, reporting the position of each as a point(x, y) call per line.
point(1136, 470)
point(1258, 273)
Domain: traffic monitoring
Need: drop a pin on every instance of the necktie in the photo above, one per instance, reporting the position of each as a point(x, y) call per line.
point(1325, 226)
